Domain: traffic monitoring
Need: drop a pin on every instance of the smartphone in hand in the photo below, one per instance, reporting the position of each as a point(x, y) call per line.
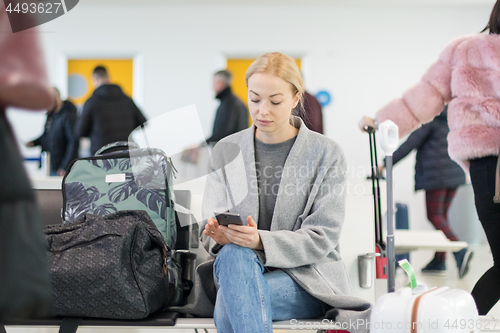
point(228, 218)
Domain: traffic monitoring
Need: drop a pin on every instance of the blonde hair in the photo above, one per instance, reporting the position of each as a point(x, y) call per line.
point(282, 66)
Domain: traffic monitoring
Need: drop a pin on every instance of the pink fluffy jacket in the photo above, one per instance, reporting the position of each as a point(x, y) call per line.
point(467, 78)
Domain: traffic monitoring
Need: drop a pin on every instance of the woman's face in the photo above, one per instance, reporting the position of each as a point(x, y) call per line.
point(270, 102)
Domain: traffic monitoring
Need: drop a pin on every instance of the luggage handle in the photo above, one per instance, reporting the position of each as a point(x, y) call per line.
point(126, 145)
point(389, 137)
point(369, 129)
point(379, 239)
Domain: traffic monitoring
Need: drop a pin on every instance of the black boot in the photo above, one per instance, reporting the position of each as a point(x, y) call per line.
point(436, 266)
point(463, 258)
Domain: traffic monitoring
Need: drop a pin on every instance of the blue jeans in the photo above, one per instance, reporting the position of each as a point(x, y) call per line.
point(248, 299)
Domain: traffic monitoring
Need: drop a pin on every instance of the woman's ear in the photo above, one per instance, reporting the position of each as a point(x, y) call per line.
point(296, 100)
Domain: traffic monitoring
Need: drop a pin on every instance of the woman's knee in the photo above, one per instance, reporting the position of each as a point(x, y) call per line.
point(234, 256)
point(232, 251)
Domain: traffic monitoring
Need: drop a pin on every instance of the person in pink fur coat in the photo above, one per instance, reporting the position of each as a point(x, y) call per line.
point(466, 77)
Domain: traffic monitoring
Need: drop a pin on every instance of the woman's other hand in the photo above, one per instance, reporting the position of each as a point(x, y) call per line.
point(214, 231)
point(191, 154)
point(245, 236)
point(366, 122)
point(381, 169)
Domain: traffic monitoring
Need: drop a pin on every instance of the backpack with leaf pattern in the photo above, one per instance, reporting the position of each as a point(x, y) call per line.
point(121, 176)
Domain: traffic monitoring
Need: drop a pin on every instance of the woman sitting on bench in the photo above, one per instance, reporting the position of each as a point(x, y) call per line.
point(288, 184)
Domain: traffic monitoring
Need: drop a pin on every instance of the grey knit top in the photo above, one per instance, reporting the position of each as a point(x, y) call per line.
point(269, 162)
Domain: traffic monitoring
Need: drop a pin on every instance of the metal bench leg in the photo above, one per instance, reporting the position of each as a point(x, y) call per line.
point(70, 324)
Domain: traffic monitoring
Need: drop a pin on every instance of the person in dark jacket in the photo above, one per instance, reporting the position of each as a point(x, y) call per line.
point(108, 115)
point(232, 114)
point(312, 115)
point(59, 138)
point(439, 176)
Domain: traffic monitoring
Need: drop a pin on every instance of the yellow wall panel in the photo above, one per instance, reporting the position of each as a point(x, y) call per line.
point(120, 72)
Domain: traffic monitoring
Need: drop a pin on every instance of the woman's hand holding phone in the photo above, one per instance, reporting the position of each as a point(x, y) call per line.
point(214, 231)
point(245, 236)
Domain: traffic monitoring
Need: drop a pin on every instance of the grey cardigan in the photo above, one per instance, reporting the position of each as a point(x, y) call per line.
point(307, 219)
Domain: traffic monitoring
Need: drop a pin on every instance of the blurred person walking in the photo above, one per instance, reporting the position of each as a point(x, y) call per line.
point(440, 177)
point(232, 114)
point(59, 137)
point(25, 289)
point(108, 115)
point(467, 78)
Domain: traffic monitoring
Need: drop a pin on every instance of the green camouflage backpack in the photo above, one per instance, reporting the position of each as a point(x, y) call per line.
point(128, 178)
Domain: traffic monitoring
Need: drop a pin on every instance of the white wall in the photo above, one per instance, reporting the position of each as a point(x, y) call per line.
point(364, 55)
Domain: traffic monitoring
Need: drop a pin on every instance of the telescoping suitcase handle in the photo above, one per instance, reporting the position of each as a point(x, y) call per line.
point(115, 146)
point(379, 239)
point(389, 136)
point(380, 246)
